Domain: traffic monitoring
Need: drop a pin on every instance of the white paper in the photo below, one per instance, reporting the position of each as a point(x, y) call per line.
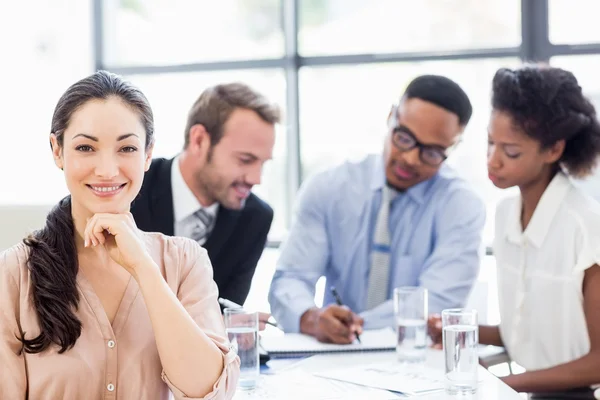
point(394, 376)
point(298, 384)
point(379, 339)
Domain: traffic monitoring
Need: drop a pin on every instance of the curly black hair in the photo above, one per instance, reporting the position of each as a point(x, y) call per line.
point(548, 105)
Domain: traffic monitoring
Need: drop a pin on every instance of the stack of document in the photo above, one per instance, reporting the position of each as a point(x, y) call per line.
point(391, 376)
point(296, 344)
point(301, 385)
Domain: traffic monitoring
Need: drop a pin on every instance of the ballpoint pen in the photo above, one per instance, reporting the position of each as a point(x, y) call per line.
point(338, 300)
point(230, 304)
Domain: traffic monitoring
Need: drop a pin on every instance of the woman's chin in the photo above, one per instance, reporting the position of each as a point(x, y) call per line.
point(115, 208)
point(502, 185)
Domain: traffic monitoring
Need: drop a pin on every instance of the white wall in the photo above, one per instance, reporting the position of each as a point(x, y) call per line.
point(16, 222)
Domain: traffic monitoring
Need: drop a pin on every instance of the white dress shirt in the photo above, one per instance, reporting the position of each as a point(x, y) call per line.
point(185, 203)
point(540, 274)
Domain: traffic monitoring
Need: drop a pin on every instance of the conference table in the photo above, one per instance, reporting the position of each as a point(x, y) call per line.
point(297, 379)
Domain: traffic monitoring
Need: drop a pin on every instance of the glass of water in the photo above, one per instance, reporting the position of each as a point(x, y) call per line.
point(410, 311)
point(460, 337)
point(242, 329)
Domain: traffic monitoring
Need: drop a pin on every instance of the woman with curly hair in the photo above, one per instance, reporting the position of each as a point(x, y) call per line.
point(542, 132)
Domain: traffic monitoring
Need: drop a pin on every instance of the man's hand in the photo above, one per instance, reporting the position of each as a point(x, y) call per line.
point(262, 320)
point(434, 328)
point(332, 324)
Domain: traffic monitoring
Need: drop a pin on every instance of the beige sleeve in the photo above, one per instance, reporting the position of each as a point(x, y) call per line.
point(13, 377)
point(198, 292)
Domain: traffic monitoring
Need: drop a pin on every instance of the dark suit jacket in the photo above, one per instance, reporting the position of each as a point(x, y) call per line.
point(235, 244)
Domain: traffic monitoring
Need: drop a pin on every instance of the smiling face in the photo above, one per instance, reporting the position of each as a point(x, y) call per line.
point(226, 172)
point(103, 156)
point(430, 125)
point(514, 158)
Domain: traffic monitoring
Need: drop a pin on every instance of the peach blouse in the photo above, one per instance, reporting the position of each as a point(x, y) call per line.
point(118, 361)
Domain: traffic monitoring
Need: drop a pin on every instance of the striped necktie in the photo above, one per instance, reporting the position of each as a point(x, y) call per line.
point(380, 253)
point(203, 224)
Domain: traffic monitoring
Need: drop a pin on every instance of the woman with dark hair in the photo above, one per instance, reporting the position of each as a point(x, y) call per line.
point(542, 132)
point(90, 306)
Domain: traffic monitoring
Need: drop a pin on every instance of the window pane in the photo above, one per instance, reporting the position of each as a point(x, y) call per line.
point(339, 124)
point(166, 32)
point(388, 26)
point(573, 22)
point(172, 96)
point(586, 70)
point(42, 59)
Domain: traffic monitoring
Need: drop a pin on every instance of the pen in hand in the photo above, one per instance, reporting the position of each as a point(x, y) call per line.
point(338, 300)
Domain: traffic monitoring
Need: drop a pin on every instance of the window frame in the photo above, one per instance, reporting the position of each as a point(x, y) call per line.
point(535, 47)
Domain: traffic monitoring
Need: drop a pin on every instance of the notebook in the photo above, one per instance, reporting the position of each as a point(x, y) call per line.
point(298, 345)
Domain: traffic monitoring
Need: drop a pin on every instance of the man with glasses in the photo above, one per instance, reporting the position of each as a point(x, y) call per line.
point(401, 219)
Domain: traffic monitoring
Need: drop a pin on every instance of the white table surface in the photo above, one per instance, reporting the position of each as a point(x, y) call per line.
point(490, 387)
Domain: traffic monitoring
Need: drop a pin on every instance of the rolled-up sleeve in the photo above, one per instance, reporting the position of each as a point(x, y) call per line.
point(197, 293)
point(304, 257)
point(225, 386)
point(588, 239)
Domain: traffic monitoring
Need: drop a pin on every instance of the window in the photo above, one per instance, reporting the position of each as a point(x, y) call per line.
point(574, 22)
point(344, 112)
point(172, 95)
point(171, 32)
point(391, 26)
point(342, 108)
point(41, 59)
point(586, 70)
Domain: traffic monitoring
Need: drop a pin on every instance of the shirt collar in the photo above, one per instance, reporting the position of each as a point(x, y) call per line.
point(185, 202)
point(378, 181)
point(544, 213)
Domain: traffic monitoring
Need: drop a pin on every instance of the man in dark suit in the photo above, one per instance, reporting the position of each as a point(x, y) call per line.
point(204, 192)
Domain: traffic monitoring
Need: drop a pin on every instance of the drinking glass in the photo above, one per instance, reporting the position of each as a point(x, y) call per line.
point(242, 329)
point(410, 311)
point(460, 337)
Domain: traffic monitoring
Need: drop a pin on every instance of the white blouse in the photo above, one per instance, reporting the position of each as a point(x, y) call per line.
point(540, 274)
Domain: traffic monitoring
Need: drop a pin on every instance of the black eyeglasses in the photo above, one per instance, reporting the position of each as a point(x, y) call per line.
point(430, 155)
point(404, 140)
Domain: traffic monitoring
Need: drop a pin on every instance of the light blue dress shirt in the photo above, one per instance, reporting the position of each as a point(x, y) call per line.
point(435, 236)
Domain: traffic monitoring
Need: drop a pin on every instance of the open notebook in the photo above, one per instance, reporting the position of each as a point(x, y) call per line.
point(297, 344)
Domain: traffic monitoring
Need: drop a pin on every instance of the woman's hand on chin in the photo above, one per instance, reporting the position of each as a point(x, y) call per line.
point(121, 238)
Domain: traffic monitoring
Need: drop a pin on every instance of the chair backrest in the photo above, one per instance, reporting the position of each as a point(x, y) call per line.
point(16, 222)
